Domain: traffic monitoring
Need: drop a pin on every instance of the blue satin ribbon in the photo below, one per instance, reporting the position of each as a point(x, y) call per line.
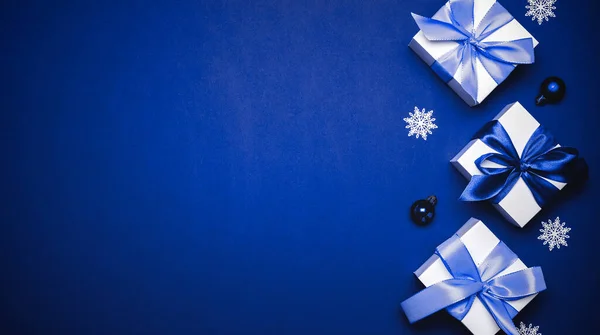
point(540, 159)
point(456, 295)
point(456, 23)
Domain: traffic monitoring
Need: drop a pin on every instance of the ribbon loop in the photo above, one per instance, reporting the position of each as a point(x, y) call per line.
point(433, 31)
point(495, 18)
point(456, 295)
point(517, 285)
point(458, 24)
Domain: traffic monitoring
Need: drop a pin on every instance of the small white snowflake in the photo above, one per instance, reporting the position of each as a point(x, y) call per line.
point(554, 233)
point(420, 123)
point(531, 330)
point(540, 10)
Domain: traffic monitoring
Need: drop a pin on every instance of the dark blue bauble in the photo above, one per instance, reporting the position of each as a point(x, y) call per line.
point(422, 211)
point(552, 90)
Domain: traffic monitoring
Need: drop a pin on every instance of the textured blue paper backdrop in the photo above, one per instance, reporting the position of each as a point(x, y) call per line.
point(242, 167)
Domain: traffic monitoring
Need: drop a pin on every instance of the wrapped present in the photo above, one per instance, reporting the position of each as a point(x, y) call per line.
point(473, 46)
point(478, 280)
point(516, 164)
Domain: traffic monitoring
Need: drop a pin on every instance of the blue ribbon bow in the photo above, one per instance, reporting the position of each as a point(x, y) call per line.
point(541, 158)
point(456, 295)
point(457, 24)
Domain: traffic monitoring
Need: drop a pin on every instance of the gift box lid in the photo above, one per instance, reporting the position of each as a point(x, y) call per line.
point(479, 241)
point(519, 206)
point(430, 51)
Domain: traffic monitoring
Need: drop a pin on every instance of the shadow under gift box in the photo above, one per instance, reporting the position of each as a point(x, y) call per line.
point(430, 51)
point(479, 241)
point(519, 206)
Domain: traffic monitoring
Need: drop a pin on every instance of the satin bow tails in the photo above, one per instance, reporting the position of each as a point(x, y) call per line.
point(456, 295)
point(541, 160)
point(456, 23)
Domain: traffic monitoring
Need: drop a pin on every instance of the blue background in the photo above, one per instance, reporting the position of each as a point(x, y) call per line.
point(242, 167)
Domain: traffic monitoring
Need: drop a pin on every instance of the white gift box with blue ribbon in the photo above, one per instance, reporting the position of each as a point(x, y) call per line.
point(473, 45)
point(516, 164)
point(480, 243)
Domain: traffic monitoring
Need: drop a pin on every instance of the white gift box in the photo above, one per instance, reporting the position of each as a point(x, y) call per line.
point(430, 51)
point(479, 241)
point(519, 205)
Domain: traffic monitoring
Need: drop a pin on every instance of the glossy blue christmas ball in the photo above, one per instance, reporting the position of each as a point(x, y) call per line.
point(552, 90)
point(422, 211)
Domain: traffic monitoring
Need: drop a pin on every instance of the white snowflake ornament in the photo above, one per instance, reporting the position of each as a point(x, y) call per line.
point(420, 123)
point(554, 233)
point(540, 10)
point(531, 330)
